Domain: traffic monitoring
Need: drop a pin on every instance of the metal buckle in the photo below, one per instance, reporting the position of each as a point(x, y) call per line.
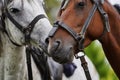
point(102, 1)
point(79, 55)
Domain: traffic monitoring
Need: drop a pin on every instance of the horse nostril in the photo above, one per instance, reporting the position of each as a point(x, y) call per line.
point(47, 40)
point(56, 44)
point(58, 41)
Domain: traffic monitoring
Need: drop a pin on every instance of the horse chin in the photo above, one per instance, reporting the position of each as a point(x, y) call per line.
point(63, 56)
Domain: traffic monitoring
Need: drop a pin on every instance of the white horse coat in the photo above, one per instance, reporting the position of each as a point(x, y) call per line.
point(12, 57)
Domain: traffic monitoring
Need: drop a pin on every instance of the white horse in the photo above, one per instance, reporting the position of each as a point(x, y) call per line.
point(12, 39)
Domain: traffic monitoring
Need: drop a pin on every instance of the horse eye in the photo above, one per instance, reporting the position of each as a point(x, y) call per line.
point(81, 4)
point(14, 10)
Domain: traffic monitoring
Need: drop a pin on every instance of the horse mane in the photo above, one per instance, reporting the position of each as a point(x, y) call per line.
point(117, 7)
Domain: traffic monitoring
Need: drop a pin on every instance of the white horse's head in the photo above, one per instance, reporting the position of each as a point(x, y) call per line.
point(24, 12)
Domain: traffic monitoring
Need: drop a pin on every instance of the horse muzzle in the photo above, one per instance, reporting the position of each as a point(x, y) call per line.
point(59, 52)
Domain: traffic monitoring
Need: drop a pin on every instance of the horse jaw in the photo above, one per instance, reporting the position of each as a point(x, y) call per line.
point(14, 33)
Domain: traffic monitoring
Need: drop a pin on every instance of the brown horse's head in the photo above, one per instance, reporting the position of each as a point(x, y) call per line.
point(73, 14)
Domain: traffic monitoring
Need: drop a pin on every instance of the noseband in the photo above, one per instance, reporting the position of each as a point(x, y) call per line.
point(26, 31)
point(79, 37)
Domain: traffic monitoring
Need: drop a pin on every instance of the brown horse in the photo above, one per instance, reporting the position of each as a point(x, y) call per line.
point(79, 23)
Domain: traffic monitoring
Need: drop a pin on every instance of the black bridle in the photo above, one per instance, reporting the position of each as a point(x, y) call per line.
point(26, 31)
point(79, 37)
point(41, 63)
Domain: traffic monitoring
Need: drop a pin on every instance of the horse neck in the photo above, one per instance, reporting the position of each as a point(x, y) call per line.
point(111, 41)
point(12, 60)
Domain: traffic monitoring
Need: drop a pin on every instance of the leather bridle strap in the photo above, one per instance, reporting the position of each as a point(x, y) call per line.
point(26, 31)
point(88, 20)
point(92, 12)
point(66, 27)
point(84, 64)
point(8, 15)
point(30, 27)
point(28, 60)
point(40, 60)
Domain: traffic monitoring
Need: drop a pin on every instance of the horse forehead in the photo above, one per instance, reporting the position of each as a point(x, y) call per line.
point(24, 3)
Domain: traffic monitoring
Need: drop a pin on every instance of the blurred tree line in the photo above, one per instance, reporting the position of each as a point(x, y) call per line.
point(94, 51)
point(52, 7)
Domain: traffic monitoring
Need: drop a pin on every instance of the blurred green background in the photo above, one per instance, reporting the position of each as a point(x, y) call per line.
point(94, 51)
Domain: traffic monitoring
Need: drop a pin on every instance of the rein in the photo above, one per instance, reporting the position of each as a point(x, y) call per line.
point(39, 58)
point(80, 37)
point(27, 32)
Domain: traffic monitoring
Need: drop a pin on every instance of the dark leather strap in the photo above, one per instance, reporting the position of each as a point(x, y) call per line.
point(70, 30)
point(7, 14)
point(88, 20)
point(85, 67)
point(28, 59)
point(105, 19)
point(81, 56)
point(3, 26)
point(27, 31)
point(66, 27)
point(54, 29)
point(40, 60)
